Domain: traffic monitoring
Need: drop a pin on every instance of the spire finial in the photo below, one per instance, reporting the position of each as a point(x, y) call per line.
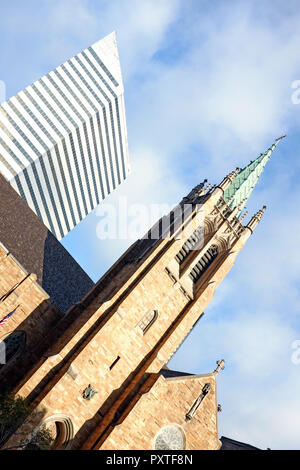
point(206, 188)
point(196, 191)
point(279, 138)
point(256, 219)
point(233, 174)
point(227, 181)
point(277, 141)
point(220, 365)
point(260, 213)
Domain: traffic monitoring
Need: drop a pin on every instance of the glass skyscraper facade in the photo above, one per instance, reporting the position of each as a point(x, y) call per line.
point(63, 139)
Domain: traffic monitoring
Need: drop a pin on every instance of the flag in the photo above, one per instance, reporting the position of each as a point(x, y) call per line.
point(5, 319)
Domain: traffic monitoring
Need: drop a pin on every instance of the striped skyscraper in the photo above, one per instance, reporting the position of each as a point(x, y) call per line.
point(63, 140)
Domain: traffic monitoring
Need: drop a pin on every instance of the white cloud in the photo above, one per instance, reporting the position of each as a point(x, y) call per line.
point(258, 388)
point(208, 86)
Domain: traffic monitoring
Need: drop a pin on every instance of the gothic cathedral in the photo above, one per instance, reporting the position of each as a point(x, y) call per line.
point(98, 376)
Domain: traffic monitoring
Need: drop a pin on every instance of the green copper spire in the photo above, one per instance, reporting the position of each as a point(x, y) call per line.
point(242, 186)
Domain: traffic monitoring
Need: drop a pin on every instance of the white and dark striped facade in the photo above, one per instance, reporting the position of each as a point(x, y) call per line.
point(63, 140)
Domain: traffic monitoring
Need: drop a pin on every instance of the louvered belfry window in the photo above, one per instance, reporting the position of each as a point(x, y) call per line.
point(192, 243)
point(204, 263)
point(148, 320)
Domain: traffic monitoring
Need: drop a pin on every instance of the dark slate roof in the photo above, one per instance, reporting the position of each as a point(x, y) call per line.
point(167, 373)
point(231, 444)
point(39, 252)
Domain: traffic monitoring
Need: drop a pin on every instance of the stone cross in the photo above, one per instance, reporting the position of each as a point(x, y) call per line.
point(220, 365)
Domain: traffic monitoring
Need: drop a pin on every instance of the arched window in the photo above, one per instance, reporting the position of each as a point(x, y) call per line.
point(11, 345)
point(204, 262)
point(61, 430)
point(170, 437)
point(147, 321)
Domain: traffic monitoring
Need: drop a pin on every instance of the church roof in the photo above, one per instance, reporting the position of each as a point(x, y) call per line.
point(243, 184)
point(231, 444)
point(167, 373)
point(175, 374)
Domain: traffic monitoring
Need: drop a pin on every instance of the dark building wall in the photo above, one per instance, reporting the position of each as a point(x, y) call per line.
point(36, 248)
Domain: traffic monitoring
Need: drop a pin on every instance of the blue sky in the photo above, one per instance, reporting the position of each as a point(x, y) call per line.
point(208, 87)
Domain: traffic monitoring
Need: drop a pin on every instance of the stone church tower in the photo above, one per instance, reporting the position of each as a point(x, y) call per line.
point(99, 378)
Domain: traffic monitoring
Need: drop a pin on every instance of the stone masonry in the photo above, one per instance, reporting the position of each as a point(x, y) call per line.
point(100, 341)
